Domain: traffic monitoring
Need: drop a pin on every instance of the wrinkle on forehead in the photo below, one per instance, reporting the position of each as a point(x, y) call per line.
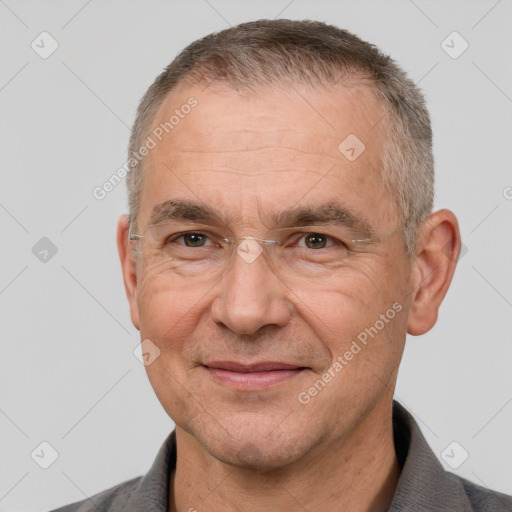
point(253, 149)
point(247, 115)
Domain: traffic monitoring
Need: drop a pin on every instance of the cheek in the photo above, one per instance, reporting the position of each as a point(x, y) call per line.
point(170, 319)
point(169, 316)
point(363, 307)
point(172, 390)
point(342, 304)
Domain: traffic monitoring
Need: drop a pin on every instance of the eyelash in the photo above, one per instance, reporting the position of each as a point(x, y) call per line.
point(335, 241)
point(173, 238)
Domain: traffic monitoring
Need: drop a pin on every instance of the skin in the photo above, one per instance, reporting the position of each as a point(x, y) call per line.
point(265, 152)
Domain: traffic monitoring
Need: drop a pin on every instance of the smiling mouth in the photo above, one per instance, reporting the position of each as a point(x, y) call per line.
point(252, 377)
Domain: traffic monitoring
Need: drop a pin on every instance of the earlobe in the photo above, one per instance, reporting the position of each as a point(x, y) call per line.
point(128, 267)
point(433, 269)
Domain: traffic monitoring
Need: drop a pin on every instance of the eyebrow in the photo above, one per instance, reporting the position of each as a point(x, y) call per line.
point(326, 214)
point(180, 210)
point(330, 213)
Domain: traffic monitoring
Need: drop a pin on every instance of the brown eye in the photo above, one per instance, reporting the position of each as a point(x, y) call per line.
point(315, 241)
point(193, 239)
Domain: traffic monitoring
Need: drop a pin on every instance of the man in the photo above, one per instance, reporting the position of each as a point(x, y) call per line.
point(280, 245)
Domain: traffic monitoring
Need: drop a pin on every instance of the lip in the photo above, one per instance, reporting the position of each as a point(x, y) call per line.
point(257, 376)
point(249, 368)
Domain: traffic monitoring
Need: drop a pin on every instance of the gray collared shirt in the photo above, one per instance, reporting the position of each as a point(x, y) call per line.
point(423, 486)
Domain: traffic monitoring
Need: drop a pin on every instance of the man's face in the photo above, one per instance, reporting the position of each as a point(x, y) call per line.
point(251, 157)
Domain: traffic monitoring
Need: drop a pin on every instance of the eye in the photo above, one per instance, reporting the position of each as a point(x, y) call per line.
point(191, 239)
point(315, 241)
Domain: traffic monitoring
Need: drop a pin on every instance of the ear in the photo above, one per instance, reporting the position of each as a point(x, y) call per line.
point(433, 268)
point(128, 266)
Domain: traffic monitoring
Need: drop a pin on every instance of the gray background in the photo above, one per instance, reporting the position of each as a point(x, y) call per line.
point(68, 372)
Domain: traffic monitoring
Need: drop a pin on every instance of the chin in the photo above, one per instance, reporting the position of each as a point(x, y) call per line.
point(255, 455)
point(262, 446)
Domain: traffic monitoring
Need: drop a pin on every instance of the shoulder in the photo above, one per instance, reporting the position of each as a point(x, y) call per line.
point(483, 499)
point(148, 492)
point(112, 499)
point(424, 484)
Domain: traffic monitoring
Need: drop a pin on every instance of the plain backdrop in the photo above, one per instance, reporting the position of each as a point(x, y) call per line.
point(68, 372)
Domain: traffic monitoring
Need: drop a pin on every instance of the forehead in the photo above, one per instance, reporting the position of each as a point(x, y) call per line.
point(271, 147)
point(271, 114)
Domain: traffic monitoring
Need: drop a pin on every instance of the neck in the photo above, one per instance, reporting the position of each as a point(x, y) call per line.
point(358, 472)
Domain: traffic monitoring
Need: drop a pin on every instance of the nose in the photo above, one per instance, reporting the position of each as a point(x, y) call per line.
point(251, 295)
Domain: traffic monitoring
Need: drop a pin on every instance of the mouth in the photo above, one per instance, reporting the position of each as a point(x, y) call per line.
point(256, 376)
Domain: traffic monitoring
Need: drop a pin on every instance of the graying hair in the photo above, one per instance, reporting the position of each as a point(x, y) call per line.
point(312, 53)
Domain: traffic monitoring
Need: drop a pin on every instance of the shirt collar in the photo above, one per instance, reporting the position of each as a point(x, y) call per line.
point(152, 493)
point(423, 485)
